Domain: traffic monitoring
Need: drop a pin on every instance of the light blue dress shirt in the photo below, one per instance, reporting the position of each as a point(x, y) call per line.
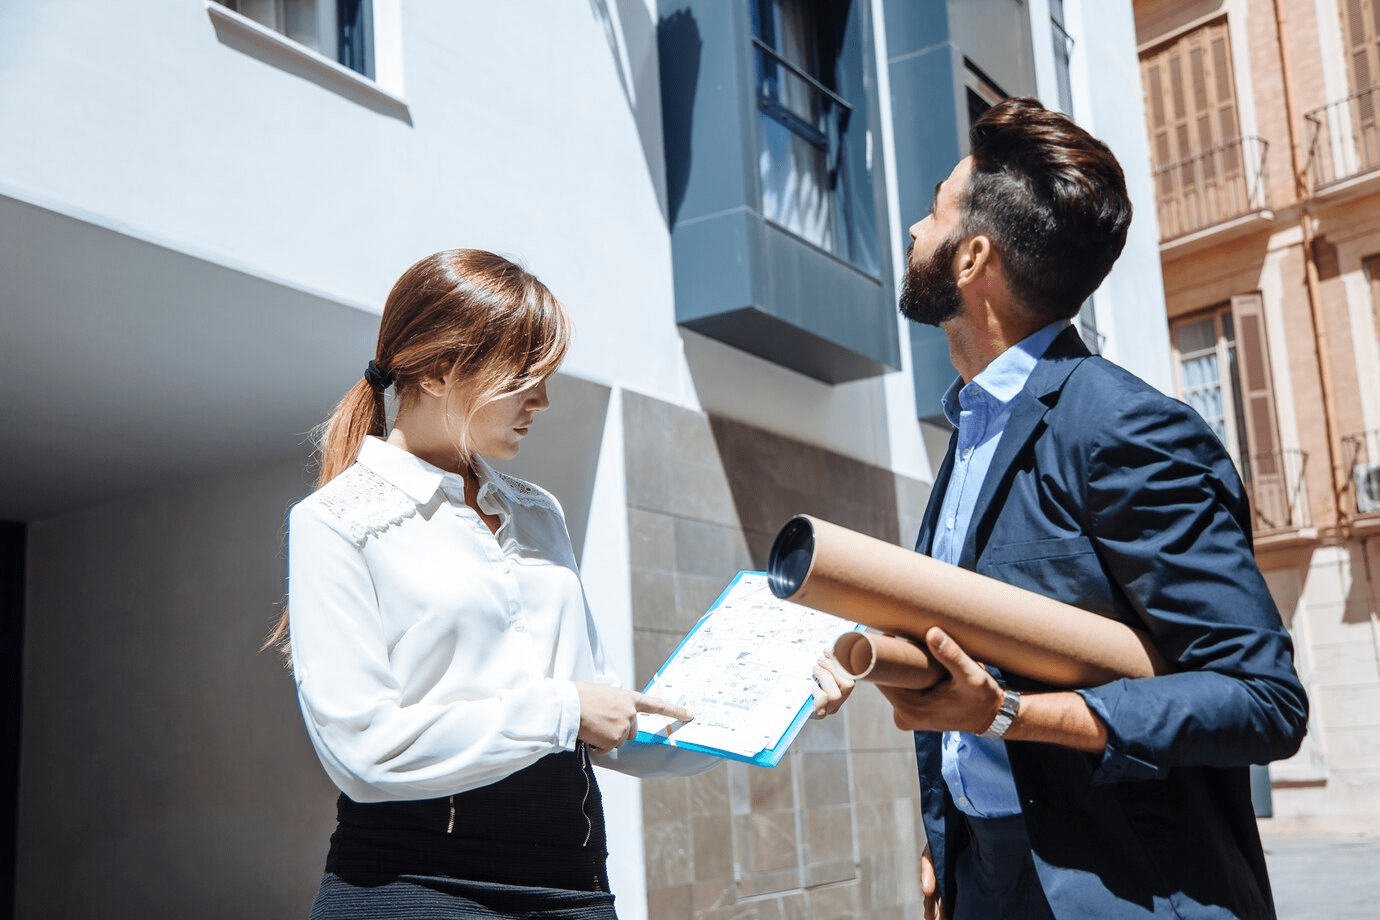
point(977, 770)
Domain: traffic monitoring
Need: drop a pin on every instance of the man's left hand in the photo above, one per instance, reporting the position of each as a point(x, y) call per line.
point(968, 700)
point(835, 685)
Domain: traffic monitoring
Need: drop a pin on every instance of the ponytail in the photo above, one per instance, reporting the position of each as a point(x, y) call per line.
point(359, 413)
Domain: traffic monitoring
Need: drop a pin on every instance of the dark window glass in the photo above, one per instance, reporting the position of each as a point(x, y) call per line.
point(814, 151)
point(982, 93)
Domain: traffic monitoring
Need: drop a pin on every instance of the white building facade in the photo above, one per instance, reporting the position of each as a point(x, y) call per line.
point(201, 212)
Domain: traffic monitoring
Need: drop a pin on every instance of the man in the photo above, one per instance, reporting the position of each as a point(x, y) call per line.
point(1071, 477)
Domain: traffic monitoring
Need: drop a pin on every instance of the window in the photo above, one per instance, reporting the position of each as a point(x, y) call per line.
point(1190, 96)
point(1063, 50)
point(1361, 24)
point(1222, 371)
point(1087, 327)
point(1205, 171)
point(776, 222)
point(336, 29)
point(980, 92)
point(1209, 376)
point(814, 148)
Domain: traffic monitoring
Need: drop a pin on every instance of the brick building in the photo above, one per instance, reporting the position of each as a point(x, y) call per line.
point(1262, 119)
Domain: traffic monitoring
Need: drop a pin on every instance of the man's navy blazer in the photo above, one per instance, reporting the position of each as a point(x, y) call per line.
point(1109, 495)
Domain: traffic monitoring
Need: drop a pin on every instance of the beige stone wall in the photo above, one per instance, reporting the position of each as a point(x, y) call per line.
point(834, 830)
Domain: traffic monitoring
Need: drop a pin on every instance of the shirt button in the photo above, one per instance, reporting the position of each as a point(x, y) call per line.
point(967, 452)
point(949, 524)
point(520, 626)
point(963, 801)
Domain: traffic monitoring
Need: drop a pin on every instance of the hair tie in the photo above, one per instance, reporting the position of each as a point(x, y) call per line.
point(377, 377)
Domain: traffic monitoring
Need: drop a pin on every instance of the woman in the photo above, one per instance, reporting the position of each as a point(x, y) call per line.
point(449, 674)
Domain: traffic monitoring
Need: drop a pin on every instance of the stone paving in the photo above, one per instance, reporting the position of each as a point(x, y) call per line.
point(1325, 878)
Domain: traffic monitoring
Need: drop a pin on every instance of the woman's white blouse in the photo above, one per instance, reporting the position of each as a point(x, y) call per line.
point(432, 656)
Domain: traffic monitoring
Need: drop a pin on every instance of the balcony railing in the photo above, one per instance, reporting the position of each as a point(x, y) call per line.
point(1278, 490)
point(1212, 187)
point(1361, 458)
point(1345, 138)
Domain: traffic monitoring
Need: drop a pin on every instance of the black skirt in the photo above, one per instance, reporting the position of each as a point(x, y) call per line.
point(530, 845)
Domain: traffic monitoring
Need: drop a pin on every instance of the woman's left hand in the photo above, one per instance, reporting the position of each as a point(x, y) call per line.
point(834, 686)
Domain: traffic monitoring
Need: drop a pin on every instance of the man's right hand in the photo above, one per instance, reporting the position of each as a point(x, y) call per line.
point(929, 887)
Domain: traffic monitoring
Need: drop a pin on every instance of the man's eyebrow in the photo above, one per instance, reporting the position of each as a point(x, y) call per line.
point(934, 206)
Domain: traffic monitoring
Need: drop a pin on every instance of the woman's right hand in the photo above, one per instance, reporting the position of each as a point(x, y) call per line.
point(608, 715)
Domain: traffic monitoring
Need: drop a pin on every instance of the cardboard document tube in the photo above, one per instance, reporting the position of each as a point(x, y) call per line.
point(904, 593)
point(887, 660)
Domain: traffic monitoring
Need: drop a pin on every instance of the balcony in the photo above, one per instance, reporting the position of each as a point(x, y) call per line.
point(1361, 460)
point(1344, 141)
point(1217, 187)
point(1278, 489)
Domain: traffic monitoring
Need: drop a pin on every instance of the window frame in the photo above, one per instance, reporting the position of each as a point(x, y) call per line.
point(347, 39)
point(1227, 372)
point(1249, 405)
point(382, 93)
point(854, 236)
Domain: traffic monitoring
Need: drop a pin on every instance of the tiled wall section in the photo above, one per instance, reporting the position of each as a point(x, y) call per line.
point(833, 831)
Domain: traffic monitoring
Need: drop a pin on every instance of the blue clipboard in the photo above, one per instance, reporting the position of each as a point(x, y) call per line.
point(767, 757)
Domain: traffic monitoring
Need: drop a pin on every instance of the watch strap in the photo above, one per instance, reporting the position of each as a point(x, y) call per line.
point(1010, 705)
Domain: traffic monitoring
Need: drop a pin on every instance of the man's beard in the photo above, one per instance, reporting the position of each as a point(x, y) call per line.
point(929, 293)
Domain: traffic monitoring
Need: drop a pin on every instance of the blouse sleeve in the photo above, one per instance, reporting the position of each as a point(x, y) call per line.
point(374, 744)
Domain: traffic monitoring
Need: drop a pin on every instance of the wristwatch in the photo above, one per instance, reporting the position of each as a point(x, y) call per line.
point(1010, 705)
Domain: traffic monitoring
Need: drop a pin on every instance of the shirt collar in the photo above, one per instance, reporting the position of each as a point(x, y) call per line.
point(1006, 376)
point(420, 480)
point(417, 478)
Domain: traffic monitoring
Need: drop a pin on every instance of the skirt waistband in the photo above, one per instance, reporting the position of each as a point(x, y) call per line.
point(542, 826)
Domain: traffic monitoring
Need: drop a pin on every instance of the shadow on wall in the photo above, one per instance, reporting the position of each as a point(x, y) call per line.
point(1361, 601)
point(632, 40)
point(191, 789)
point(774, 478)
point(561, 454)
point(678, 37)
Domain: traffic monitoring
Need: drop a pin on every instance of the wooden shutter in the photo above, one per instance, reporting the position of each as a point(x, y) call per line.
point(1264, 463)
point(1191, 107)
point(1361, 25)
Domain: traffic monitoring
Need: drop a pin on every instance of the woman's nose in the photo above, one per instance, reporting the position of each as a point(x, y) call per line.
point(538, 399)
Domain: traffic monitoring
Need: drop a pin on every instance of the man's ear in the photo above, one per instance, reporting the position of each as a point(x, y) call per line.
point(975, 258)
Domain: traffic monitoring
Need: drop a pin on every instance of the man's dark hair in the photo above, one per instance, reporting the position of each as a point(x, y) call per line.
point(1052, 199)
